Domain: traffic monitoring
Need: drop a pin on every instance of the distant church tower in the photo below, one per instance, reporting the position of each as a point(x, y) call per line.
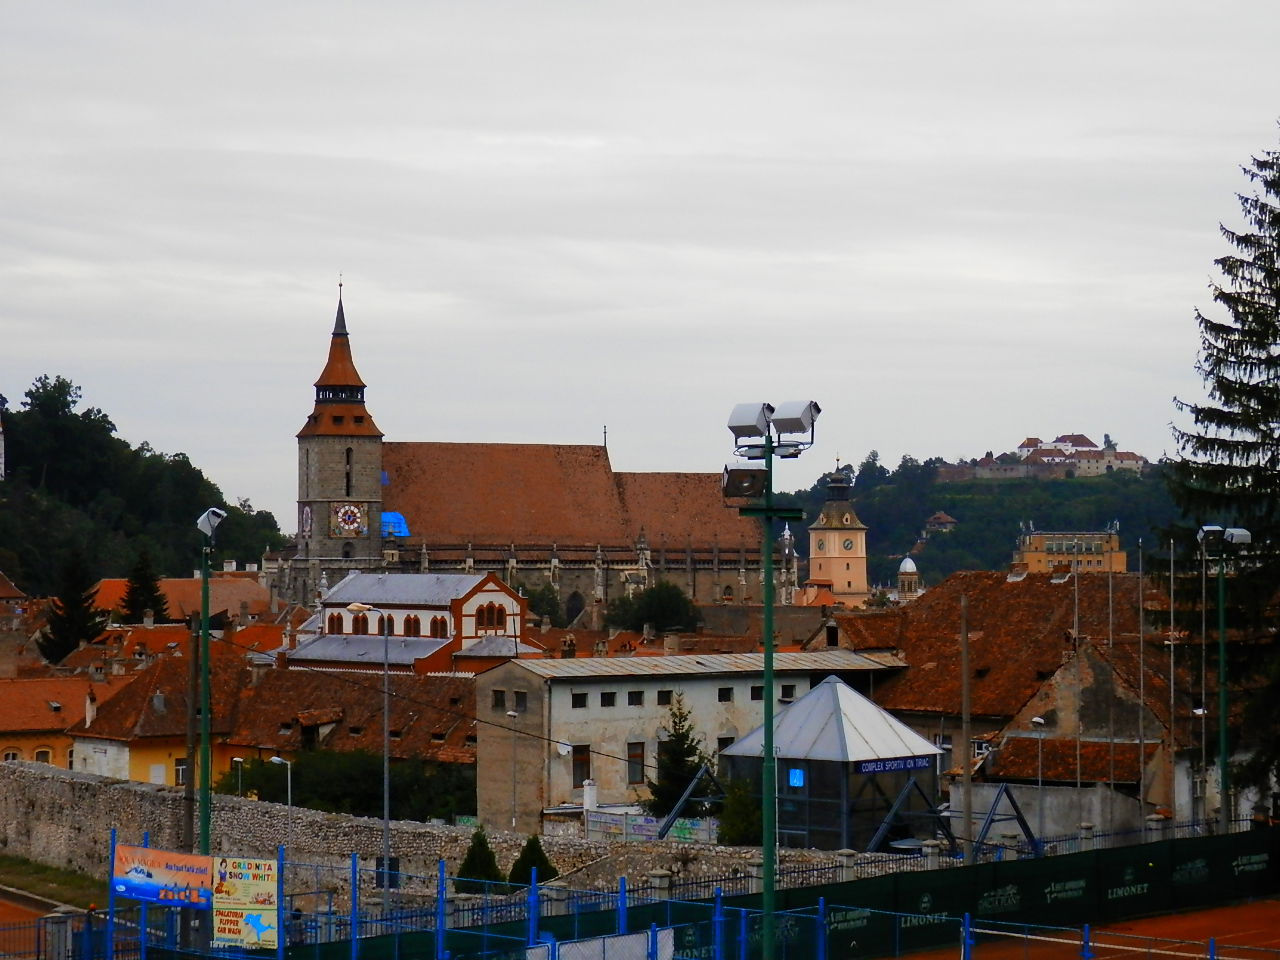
point(838, 546)
point(339, 475)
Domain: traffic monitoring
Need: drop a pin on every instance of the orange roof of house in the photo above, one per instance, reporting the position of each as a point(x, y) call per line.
point(26, 705)
point(137, 711)
point(502, 493)
point(182, 595)
point(1019, 758)
point(7, 589)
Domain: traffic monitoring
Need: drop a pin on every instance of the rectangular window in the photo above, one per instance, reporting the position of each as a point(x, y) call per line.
point(722, 743)
point(180, 772)
point(608, 698)
point(44, 756)
point(664, 698)
point(578, 700)
point(581, 763)
point(788, 691)
point(725, 694)
point(757, 691)
point(635, 698)
point(635, 762)
point(522, 701)
point(499, 700)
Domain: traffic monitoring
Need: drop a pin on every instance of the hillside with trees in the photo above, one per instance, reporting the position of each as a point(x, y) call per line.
point(74, 492)
point(895, 504)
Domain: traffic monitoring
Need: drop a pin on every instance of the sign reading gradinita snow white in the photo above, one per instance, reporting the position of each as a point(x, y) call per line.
point(1129, 886)
point(1249, 863)
point(1193, 871)
point(1065, 890)
point(926, 916)
point(1000, 900)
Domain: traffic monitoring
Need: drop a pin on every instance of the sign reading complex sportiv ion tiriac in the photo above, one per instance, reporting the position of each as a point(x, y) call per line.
point(245, 909)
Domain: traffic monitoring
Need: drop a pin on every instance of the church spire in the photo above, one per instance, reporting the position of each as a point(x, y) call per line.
point(339, 409)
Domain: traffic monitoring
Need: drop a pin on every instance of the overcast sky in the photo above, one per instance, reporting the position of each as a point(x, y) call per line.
point(952, 224)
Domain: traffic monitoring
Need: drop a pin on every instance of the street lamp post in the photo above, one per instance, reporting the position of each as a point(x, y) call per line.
point(288, 824)
point(386, 737)
point(206, 524)
point(513, 716)
point(238, 762)
point(1215, 536)
point(1038, 722)
point(760, 433)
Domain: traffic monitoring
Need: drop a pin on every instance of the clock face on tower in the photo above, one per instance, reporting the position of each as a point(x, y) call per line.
point(848, 544)
point(349, 520)
point(822, 545)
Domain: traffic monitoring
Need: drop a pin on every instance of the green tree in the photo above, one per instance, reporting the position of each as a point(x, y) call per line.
point(142, 592)
point(664, 606)
point(72, 617)
point(544, 601)
point(532, 857)
point(741, 822)
point(679, 759)
point(871, 474)
point(479, 867)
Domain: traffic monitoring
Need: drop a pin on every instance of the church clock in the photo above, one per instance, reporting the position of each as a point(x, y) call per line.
point(349, 520)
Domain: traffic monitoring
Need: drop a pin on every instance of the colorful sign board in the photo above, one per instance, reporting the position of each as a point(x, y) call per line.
point(159, 876)
point(246, 912)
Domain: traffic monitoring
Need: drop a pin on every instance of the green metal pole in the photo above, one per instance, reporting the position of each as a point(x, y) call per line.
point(206, 766)
point(1224, 786)
point(769, 777)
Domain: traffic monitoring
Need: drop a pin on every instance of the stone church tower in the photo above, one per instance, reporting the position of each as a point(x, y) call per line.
point(838, 546)
point(339, 476)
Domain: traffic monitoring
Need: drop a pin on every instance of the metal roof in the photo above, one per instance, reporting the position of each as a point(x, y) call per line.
point(402, 589)
point(835, 722)
point(365, 648)
point(497, 646)
point(697, 664)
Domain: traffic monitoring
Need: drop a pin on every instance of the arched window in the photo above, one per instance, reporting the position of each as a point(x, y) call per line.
point(502, 618)
point(386, 624)
point(335, 623)
point(346, 551)
point(412, 626)
point(348, 471)
point(360, 623)
point(439, 627)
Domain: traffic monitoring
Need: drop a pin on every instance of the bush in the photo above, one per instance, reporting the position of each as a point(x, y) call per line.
point(479, 867)
point(532, 858)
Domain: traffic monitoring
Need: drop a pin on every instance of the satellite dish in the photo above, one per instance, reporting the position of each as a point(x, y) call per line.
point(563, 749)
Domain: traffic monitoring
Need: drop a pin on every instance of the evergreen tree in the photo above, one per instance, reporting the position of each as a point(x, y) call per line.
point(72, 617)
point(142, 592)
point(479, 867)
point(741, 823)
point(680, 757)
point(1229, 471)
point(532, 858)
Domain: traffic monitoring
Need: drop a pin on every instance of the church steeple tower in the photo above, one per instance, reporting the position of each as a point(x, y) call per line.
point(838, 545)
point(339, 471)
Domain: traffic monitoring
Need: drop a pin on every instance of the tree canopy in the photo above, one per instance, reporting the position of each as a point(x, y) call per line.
point(680, 757)
point(72, 485)
point(664, 606)
point(71, 618)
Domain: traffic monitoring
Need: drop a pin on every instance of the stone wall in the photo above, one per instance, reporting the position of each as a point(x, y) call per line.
point(63, 818)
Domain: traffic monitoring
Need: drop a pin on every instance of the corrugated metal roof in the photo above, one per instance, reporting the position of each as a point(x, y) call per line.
point(699, 664)
point(408, 589)
point(835, 722)
point(492, 646)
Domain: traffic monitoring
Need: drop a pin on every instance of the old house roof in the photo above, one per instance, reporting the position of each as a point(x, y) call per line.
point(1075, 440)
point(31, 705)
point(1018, 758)
point(406, 589)
point(432, 717)
point(182, 595)
point(500, 493)
point(1018, 633)
point(9, 592)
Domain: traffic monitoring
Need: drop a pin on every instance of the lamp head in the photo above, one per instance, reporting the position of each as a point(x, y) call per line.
point(209, 521)
point(237, 759)
point(1237, 536)
point(359, 607)
point(795, 416)
point(744, 480)
point(512, 714)
point(750, 420)
point(1210, 536)
point(1038, 721)
point(280, 760)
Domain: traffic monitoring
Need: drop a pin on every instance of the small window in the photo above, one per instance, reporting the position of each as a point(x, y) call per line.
point(788, 691)
point(635, 698)
point(722, 743)
point(980, 748)
point(355, 731)
point(437, 737)
point(664, 698)
point(12, 755)
point(393, 734)
point(338, 419)
point(499, 700)
point(608, 698)
point(471, 739)
point(358, 419)
point(635, 762)
point(285, 728)
point(578, 700)
point(522, 701)
point(44, 756)
point(581, 763)
point(725, 694)
point(757, 691)
point(180, 772)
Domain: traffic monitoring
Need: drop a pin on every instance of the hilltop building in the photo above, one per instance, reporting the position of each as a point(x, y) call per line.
point(1041, 551)
point(529, 513)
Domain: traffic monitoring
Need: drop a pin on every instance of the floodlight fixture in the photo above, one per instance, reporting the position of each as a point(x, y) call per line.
point(1237, 536)
point(750, 420)
point(795, 416)
point(1038, 721)
point(1210, 536)
point(744, 479)
point(359, 607)
point(209, 521)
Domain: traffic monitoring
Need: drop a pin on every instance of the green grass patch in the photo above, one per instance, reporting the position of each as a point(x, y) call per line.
point(65, 886)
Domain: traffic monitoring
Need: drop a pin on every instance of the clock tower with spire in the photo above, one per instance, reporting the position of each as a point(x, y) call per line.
point(838, 546)
point(339, 475)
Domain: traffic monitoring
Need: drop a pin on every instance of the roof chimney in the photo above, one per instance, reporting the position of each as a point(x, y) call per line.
point(90, 708)
point(148, 618)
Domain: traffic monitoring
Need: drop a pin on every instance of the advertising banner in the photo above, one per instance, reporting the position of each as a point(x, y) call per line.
point(158, 876)
point(246, 912)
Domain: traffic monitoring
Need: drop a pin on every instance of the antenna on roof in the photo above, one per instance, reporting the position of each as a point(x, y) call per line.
point(339, 284)
point(606, 436)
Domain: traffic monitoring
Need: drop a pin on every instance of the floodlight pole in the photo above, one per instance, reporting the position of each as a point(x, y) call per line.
point(1223, 767)
point(769, 773)
point(206, 763)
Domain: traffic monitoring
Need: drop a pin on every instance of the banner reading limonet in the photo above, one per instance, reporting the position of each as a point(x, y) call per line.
point(245, 909)
point(159, 876)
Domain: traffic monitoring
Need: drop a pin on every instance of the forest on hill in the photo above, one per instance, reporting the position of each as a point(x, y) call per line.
point(989, 514)
point(73, 489)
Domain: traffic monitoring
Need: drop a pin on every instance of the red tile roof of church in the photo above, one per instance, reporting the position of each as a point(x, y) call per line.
point(486, 493)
